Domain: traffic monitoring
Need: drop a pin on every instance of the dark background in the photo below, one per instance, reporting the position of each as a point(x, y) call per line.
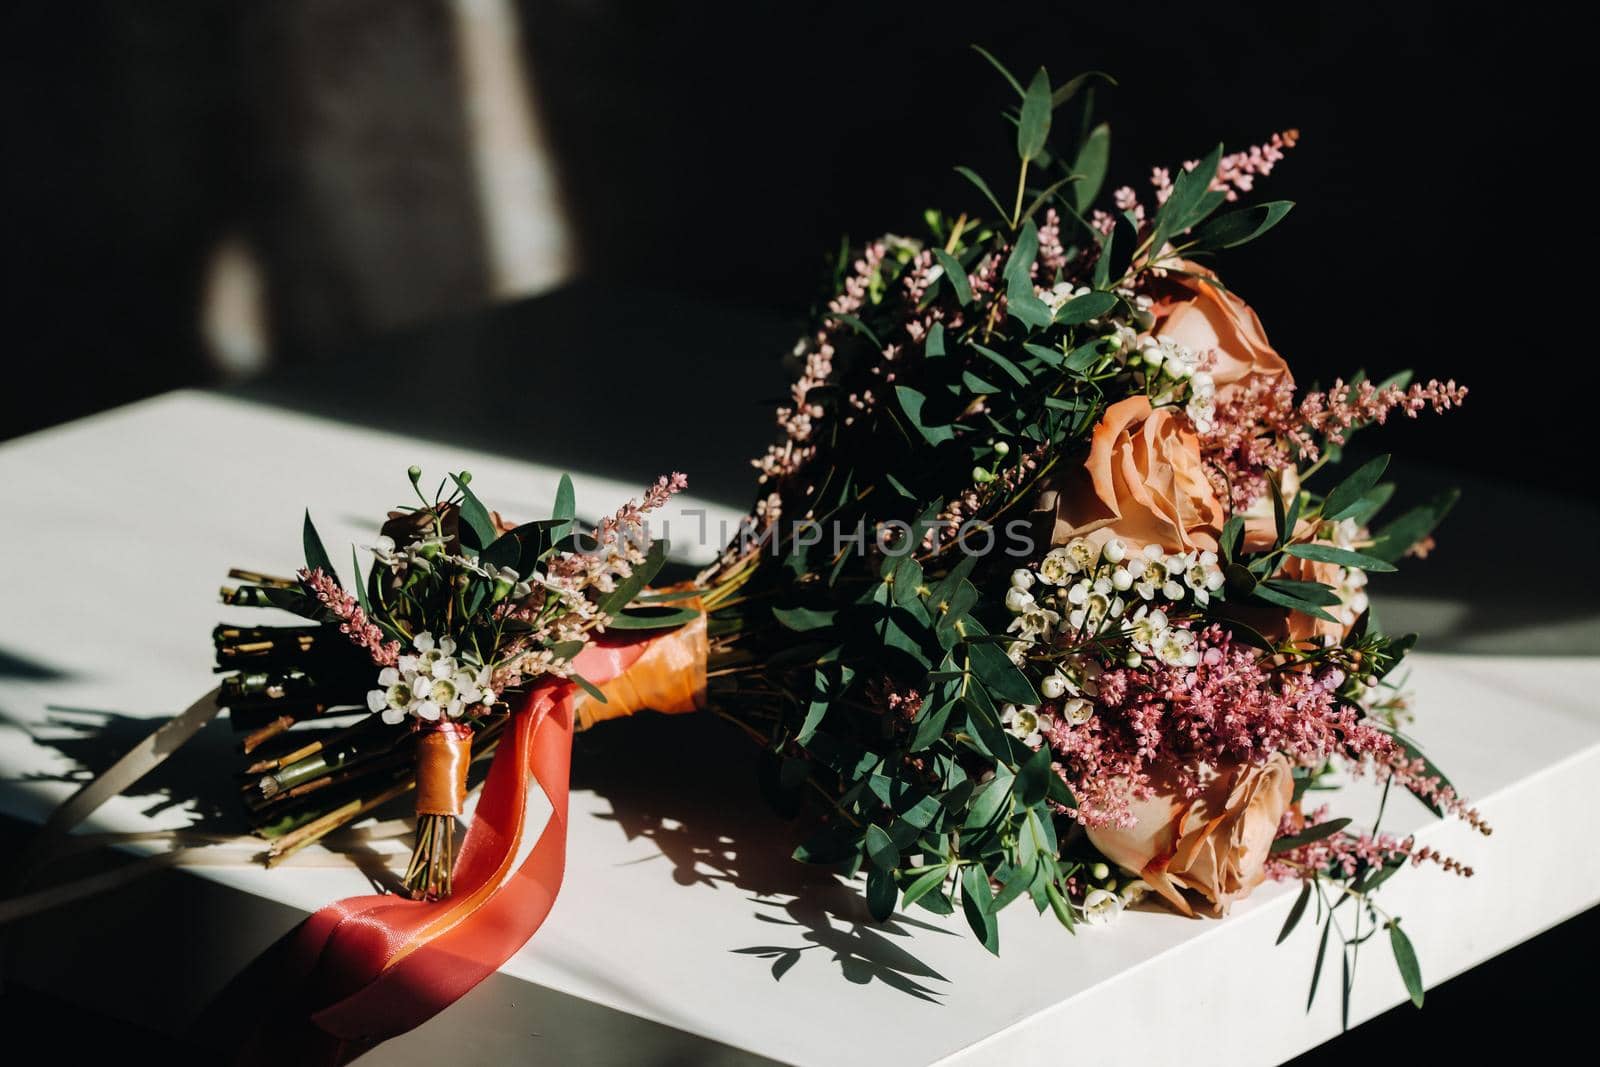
point(711, 156)
point(719, 151)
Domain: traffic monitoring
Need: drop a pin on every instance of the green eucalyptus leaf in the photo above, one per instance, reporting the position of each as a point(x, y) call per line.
point(1346, 498)
point(1022, 303)
point(1033, 778)
point(1002, 678)
point(1373, 503)
point(475, 515)
point(1322, 830)
point(1059, 905)
point(1049, 356)
point(1282, 600)
point(588, 687)
point(361, 585)
point(1310, 592)
point(1295, 913)
point(1011, 79)
point(881, 894)
point(652, 618)
point(1392, 541)
point(1004, 364)
point(1083, 308)
point(1240, 227)
point(976, 903)
point(803, 620)
point(1316, 969)
point(1232, 530)
point(990, 800)
point(880, 849)
point(316, 555)
point(913, 402)
point(958, 282)
point(1083, 357)
point(1033, 130)
point(1405, 957)
point(1090, 165)
point(983, 187)
point(1343, 557)
point(920, 882)
point(565, 509)
point(1073, 85)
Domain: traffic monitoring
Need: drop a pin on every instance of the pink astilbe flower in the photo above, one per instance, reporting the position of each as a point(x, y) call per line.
point(1345, 854)
point(630, 517)
point(1246, 441)
point(1052, 255)
point(1334, 413)
point(1236, 172)
point(1259, 427)
point(353, 622)
point(797, 419)
point(1230, 708)
point(973, 499)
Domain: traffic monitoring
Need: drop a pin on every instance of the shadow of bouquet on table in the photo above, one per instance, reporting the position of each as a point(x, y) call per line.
point(93, 739)
point(198, 778)
point(687, 783)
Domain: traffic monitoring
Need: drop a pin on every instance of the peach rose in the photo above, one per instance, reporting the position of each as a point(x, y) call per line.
point(1204, 318)
point(1143, 482)
point(1215, 844)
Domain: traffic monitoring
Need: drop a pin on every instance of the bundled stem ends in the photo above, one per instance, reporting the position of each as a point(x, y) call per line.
point(443, 754)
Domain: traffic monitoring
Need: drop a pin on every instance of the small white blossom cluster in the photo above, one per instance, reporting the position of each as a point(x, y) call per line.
point(1093, 586)
point(1173, 374)
point(430, 683)
point(1351, 587)
point(1351, 590)
point(425, 554)
point(1150, 635)
point(1103, 906)
point(1022, 721)
point(1061, 294)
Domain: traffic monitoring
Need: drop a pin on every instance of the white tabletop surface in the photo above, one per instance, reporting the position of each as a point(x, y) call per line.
point(682, 924)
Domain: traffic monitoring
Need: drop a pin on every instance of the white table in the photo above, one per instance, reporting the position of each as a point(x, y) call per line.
point(679, 897)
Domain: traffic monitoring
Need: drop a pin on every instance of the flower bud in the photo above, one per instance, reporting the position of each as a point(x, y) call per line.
point(414, 472)
point(1114, 550)
point(1099, 872)
point(1053, 687)
point(981, 476)
point(1022, 578)
point(1001, 448)
point(1121, 579)
point(1134, 659)
point(1018, 600)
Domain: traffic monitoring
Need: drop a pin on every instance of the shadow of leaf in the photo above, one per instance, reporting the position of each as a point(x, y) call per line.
point(703, 811)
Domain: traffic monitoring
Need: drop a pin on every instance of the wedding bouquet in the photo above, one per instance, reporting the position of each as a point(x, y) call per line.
point(400, 681)
point(1053, 591)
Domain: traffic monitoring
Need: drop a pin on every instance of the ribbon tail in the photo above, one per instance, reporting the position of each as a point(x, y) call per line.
point(425, 976)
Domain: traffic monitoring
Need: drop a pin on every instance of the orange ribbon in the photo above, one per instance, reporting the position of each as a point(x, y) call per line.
point(371, 967)
point(443, 755)
point(670, 677)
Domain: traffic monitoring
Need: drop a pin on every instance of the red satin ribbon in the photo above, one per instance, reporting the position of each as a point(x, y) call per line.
point(372, 967)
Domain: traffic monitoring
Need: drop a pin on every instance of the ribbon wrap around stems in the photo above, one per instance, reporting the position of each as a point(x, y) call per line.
point(372, 967)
